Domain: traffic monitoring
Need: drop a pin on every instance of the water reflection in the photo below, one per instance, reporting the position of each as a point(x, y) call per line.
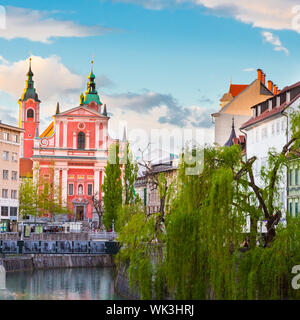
point(60, 284)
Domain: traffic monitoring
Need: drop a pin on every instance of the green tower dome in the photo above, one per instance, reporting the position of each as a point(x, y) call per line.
point(91, 94)
point(29, 91)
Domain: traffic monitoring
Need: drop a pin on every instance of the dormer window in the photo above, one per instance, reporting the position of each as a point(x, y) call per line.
point(81, 141)
point(254, 112)
point(288, 97)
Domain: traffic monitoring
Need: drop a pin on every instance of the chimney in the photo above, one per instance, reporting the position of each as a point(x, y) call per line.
point(259, 74)
point(278, 91)
point(275, 89)
point(270, 85)
point(263, 78)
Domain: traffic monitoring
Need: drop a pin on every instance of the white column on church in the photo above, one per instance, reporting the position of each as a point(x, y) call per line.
point(64, 185)
point(65, 134)
point(105, 133)
point(102, 179)
point(57, 125)
point(97, 138)
point(96, 181)
point(56, 177)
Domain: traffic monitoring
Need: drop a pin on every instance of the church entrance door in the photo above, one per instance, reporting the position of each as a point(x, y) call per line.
point(79, 213)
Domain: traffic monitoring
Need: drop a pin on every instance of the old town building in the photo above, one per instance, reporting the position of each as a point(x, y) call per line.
point(269, 129)
point(237, 103)
point(73, 150)
point(9, 174)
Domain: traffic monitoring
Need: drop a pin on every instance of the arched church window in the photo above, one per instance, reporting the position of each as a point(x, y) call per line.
point(81, 141)
point(80, 189)
point(30, 114)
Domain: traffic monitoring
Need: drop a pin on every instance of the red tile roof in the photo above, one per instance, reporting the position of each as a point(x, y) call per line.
point(236, 89)
point(26, 166)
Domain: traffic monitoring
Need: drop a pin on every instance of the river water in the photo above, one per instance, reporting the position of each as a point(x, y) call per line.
point(61, 284)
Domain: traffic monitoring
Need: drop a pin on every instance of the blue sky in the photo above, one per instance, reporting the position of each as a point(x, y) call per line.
point(158, 63)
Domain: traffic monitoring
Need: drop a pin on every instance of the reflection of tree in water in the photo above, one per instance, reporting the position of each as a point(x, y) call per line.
point(61, 284)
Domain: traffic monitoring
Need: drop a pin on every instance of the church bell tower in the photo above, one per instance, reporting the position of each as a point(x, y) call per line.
point(29, 116)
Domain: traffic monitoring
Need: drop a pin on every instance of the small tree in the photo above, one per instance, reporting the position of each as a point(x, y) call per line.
point(29, 198)
point(130, 175)
point(38, 196)
point(112, 187)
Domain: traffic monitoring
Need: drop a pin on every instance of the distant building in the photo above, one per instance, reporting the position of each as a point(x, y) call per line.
point(9, 173)
point(237, 103)
point(148, 192)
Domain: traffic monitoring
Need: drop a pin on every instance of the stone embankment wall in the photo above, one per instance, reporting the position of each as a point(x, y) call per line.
point(42, 261)
point(82, 236)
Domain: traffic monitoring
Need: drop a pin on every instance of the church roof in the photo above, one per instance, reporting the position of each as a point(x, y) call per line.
point(49, 131)
point(236, 89)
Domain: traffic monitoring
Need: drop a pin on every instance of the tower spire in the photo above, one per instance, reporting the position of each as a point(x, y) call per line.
point(229, 142)
point(124, 135)
point(92, 94)
point(105, 111)
point(57, 108)
point(29, 91)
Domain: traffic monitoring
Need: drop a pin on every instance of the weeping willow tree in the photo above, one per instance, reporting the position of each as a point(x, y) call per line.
point(200, 254)
point(205, 228)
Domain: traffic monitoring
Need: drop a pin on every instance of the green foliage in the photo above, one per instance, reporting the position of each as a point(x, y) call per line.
point(112, 187)
point(265, 273)
point(38, 197)
point(199, 256)
point(29, 200)
point(130, 175)
point(137, 236)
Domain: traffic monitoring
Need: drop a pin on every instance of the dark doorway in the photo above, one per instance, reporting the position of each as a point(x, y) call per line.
point(79, 213)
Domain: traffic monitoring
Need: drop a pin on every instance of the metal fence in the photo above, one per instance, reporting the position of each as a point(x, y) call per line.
point(58, 247)
point(104, 235)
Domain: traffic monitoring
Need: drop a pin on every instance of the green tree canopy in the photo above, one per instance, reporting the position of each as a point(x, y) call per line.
point(112, 187)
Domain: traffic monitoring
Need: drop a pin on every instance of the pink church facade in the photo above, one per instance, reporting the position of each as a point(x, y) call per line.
point(74, 147)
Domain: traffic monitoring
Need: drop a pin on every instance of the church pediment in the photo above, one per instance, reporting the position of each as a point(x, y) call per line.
point(80, 111)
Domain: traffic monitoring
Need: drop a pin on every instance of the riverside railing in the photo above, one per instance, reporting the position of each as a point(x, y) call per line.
point(58, 247)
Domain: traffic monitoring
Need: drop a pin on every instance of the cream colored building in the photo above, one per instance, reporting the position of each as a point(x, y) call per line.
point(237, 103)
point(9, 172)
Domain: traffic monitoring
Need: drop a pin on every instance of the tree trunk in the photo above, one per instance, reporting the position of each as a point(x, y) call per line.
point(253, 232)
point(271, 223)
point(271, 233)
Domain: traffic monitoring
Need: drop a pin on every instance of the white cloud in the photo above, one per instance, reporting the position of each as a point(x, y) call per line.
point(39, 26)
point(248, 70)
point(55, 82)
point(51, 77)
point(2, 60)
point(267, 14)
point(275, 41)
